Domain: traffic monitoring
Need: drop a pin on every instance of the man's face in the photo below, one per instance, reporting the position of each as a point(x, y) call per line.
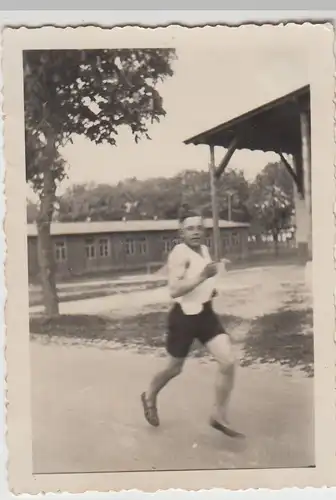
point(192, 229)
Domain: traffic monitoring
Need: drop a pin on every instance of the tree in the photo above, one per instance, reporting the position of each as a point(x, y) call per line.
point(233, 191)
point(91, 202)
point(156, 197)
point(32, 212)
point(271, 202)
point(231, 187)
point(88, 92)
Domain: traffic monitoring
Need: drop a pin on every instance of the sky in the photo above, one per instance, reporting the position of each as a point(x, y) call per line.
point(215, 78)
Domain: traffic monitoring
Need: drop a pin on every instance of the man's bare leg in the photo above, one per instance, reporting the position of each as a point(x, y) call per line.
point(160, 380)
point(221, 349)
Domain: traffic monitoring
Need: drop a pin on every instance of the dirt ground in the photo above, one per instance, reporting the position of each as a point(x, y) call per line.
point(248, 294)
point(86, 395)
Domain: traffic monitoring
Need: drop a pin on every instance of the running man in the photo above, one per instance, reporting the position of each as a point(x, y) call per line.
point(191, 281)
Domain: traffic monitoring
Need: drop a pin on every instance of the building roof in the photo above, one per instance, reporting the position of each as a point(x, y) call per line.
point(70, 228)
point(273, 127)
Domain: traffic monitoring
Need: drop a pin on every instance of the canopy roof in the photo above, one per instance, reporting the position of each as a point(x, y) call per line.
point(273, 127)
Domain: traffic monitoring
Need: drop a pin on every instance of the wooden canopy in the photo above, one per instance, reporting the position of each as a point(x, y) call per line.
point(273, 127)
point(281, 126)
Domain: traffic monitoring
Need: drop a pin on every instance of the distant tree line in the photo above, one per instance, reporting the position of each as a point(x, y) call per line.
point(266, 203)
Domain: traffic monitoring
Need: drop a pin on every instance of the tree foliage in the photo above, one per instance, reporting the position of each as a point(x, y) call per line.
point(32, 211)
point(154, 198)
point(91, 93)
point(266, 203)
point(271, 202)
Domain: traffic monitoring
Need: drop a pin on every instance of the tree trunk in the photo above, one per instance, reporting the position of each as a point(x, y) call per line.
point(276, 243)
point(47, 272)
point(44, 241)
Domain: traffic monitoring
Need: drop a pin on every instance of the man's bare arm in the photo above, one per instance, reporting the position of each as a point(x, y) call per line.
point(179, 284)
point(182, 286)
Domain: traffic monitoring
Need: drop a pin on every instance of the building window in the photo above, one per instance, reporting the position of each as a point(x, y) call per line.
point(143, 248)
point(208, 241)
point(104, 247)
point(90, 248)
point(60, 251)
point(169, 243)
point(166, 244)
point(235, 239)
point(226, 241)
point(130, 246)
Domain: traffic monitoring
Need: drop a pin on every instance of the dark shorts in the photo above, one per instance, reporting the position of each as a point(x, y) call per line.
point(183, 329)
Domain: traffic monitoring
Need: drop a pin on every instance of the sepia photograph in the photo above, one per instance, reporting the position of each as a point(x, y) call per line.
point(167, 248)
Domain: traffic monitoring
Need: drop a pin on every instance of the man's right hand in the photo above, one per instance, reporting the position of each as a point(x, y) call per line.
point(210, 270)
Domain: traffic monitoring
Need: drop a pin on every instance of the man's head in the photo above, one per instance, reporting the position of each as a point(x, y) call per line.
point(191, 226)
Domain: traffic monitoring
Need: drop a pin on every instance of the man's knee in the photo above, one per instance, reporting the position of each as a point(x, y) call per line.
point(227, 363)
point(221, 349)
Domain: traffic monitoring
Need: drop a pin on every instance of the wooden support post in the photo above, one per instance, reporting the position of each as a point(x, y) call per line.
point(289, 169)
point(225, 161)
point(306, 163)
point(297, 162)
point(214, 204)
point(301, 231)
point(230, 207)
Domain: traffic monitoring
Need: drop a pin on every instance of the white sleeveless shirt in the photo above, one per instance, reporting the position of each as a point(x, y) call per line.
point(183, 262)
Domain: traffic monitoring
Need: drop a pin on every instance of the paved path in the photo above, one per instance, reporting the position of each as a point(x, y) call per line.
point(87, 416)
